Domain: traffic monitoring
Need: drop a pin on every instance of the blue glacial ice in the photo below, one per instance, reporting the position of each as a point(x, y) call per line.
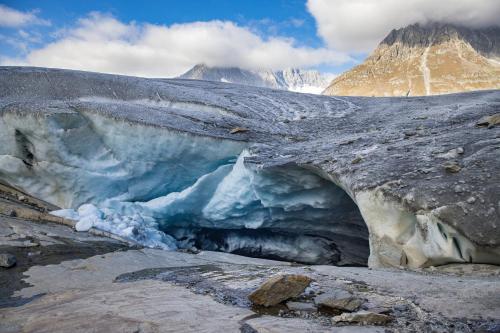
point(237, 196)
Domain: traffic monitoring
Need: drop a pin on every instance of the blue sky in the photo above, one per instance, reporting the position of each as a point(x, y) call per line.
point(266, 18)
point(165, 38)
point(269, 16)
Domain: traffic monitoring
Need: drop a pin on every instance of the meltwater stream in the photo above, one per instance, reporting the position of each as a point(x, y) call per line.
point(285, 213)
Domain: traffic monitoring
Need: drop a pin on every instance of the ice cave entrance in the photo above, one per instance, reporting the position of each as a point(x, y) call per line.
point(284, 212)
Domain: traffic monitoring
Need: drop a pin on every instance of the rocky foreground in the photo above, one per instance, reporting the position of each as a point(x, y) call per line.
point(68, 281)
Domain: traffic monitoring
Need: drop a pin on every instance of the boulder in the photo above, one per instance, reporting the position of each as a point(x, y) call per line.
point(279, 288)
point(489, 121)
point(452, 167)
point(7, 260)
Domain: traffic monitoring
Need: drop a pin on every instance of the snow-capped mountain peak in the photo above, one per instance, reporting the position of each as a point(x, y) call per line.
point(293, 79)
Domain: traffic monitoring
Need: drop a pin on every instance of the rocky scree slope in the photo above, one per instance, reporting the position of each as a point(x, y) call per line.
point(162, 161)
point(421, 60)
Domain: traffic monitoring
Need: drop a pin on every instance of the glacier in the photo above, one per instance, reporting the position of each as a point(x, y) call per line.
point(313, 179)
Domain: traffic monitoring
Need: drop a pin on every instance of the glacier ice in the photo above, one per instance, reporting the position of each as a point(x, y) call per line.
point(87, 158)
point(311, 180)
point(265, 243)
point(141, 229)
point(299, 210)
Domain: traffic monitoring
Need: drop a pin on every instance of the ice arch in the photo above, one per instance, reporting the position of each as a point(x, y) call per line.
point(286, 213)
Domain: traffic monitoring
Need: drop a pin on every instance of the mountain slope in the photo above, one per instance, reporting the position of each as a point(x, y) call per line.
point(289, 79)
point(426, 60)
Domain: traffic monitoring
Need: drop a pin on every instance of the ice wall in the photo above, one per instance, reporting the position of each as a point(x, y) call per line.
point(303, 217)
point(139, 181)
point(402, 238)
point(72, 158)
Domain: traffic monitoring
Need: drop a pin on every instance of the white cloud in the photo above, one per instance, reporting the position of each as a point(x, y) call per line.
point(359, 25)
point(12, 18)
point(102, 43)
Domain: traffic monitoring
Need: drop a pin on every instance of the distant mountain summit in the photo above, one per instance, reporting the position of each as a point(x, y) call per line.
point(292, 79)
point(426, 60)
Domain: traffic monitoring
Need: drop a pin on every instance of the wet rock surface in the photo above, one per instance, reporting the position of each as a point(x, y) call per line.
point(34, 243)
point(154, 291)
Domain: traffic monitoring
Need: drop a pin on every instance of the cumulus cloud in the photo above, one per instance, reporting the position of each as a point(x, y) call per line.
point(104, 44)
point(359, 25)
point(12, 18)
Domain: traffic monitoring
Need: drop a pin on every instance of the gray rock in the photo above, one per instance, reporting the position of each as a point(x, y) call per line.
point(7, 260)
point(489, 121)
point(339, 300)
point(301, 306)
point(471, 200)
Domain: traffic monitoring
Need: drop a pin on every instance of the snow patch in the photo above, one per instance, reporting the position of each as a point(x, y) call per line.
point(426, 72)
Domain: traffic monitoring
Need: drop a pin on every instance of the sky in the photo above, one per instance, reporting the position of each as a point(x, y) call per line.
point(166, 38)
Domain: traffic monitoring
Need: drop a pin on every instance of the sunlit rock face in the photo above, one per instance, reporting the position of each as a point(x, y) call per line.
point(423, 60)
point(312, 179)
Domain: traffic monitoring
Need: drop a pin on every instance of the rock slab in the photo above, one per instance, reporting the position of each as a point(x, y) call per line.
point(301, 306)
point(279, 288)
point(339, 300)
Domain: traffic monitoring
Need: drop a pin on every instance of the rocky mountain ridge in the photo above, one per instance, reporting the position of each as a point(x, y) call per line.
point(292, 79)
point(426, 60)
